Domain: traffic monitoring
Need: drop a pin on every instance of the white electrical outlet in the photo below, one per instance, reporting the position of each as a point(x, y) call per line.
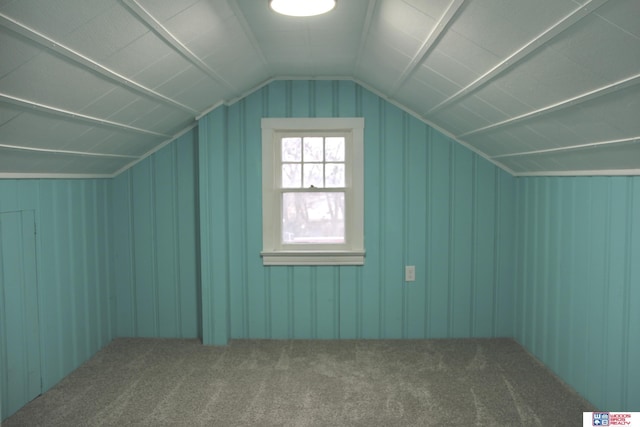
point(410, 273)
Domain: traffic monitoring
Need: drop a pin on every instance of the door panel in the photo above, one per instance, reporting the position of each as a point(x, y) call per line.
point(20, 381)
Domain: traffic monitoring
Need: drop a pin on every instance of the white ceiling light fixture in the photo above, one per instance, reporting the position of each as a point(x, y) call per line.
point(302, 7)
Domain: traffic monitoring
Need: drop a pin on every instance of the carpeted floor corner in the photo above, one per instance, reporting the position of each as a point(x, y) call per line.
point(448, 382)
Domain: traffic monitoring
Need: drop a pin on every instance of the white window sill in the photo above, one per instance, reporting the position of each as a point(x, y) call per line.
point(313, 258)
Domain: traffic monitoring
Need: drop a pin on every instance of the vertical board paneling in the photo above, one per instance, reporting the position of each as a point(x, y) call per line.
point(484, 281)
point(631, 291)
point(280, 291)
point(122, 253)
point(166, 255)
point(186, 228)
point(348, 295)
point(615, 329)
point(505, 259)
point(214, 233)
point(144, 248)
point(74, 311)
point(578, 280)
point(428, 202)
point(154, 224)
point(235, 199)
point(461, 250)
point(439, 205)
point(581, 301)
point(47, 254)
point(371, 108)
point(416, 181)
point(302, 302)
point(257, 304)
point(392, 220)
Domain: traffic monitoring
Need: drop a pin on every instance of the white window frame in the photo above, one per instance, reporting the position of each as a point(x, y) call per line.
point(274, 252)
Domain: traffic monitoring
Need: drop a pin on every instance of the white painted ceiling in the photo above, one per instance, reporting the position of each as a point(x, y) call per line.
point(551, 87)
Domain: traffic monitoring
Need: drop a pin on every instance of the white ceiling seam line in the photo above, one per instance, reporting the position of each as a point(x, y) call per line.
point(570, 102)
point(63, 152)
point(154, 25)
point(569, 148)
point(88, 63)
point(533, 45)
point(580, 173)
point(74, 116)
point(364, 35)
point(248, 32)
point(429, 43)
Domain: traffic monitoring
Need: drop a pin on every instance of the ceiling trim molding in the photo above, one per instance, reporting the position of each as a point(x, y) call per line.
point(608, 172)
point(161, 31)
point(491, 159)
point(570, 102)
point(537, 42)
point(74, 116)
point(568, 148)
point(370, 89)
point(154, 149)
point(20, 175)
point(364, 35)
point(603, 172)
point(210, 109)
point(246, 28)
point(71, 55)
point(228, 102)
point(429, 43)
point(76, 153)
point(433, 125)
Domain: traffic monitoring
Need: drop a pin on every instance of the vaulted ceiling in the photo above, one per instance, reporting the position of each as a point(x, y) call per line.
point(542, 87)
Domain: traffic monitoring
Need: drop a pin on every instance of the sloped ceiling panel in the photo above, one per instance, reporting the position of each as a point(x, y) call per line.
point(89, 87)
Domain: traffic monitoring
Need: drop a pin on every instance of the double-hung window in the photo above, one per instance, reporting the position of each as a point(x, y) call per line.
point(312, 191)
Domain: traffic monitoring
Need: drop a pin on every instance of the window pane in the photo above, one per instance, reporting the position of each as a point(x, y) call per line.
point(334, 149)
point(313, 175)
point(291, 175)
point(313, 218)
point(313, 149)
point(334, 175)
point(291, 149)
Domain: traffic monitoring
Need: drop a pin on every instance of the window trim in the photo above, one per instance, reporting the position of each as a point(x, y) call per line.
point(273, 253)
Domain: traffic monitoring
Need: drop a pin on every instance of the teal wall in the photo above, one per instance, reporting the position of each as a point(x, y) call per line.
point(114, 258)
point(154, 246)
point(75, 303)
point(429, 202)
point(578, 283)
point(549, 261)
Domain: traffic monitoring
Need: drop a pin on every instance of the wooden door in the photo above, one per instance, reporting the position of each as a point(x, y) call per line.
point(20, 379)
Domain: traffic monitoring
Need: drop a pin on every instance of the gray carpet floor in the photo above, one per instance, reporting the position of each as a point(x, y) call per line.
point(154, 382)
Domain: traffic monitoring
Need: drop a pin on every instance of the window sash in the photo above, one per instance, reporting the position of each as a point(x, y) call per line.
point(275, 251)
point(347, 162)
point(347, 232)
point(280, 136)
